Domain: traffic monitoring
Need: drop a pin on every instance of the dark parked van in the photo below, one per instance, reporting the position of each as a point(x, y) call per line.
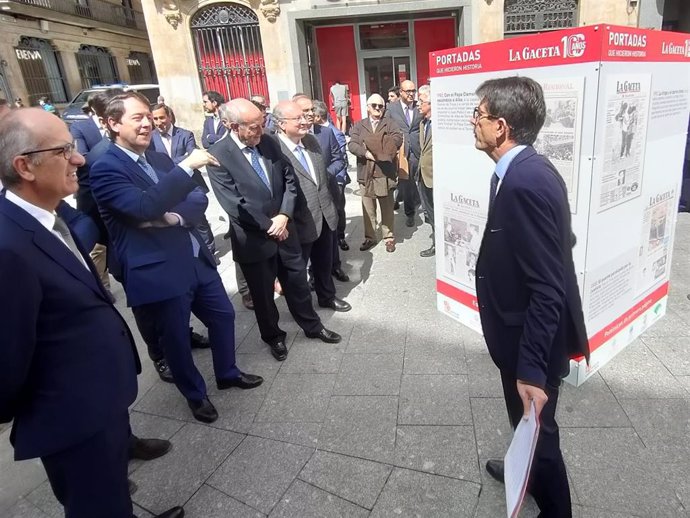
point(74, 112)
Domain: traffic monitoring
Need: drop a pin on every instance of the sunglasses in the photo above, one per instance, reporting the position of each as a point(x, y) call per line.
point(410, 91)
point(377, 106)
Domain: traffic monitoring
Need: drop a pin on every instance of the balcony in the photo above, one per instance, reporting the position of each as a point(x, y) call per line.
point(111, 17)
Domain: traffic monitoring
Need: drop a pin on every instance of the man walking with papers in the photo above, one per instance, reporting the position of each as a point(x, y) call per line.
point(529, 302)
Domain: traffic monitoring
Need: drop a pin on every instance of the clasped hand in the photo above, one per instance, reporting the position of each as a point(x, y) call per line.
point(278, 229)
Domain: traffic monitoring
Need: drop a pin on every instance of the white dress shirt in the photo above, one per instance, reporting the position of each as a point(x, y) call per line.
point(248, 155)
point(294, 147)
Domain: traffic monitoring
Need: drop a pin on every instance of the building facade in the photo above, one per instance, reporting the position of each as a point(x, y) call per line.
point(277, 48)
point(55, 48)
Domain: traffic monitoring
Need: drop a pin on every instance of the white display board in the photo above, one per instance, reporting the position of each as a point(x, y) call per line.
point(617, 114)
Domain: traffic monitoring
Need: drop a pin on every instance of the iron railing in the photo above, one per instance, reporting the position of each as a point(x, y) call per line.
point(94, 10)
point(525, 16)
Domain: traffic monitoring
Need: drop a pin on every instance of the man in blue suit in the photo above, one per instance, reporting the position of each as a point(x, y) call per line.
point(150, 207)
point(529, 302)
point(213, 129)
point(68, 359)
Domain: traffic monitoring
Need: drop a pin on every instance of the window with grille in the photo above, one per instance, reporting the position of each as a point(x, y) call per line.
point(141, 68)
point(96, 66)
point(42, 70)
point(525, 16)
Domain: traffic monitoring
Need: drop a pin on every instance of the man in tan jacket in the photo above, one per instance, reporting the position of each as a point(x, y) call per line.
point(426, 165)
point(375, 143)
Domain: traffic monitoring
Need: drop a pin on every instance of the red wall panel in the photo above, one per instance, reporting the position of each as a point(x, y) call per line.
point(431, 35)
point(338, 61)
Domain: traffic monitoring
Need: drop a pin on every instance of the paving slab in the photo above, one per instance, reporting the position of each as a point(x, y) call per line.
point(672, 351)
point(208, 502)
point(356, 480)
point(437, 353)
point(312, 357)
point(434, 400)
point(411, 493)
point(259, 471)
point(491, 427)
point(297, 398)
point(303, 434)
point(371, 337)
point(484, 378)
point(369, 375)
point(306, 501)
point(172, 479)
point(590, 405)
point(43, 499)
point(361, 426)
point(24, 509)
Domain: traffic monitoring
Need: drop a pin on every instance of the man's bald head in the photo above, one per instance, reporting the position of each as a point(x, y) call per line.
point(407, 91)
point(244, 119)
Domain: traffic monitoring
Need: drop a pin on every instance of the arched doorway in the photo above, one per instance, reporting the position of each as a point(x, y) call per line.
point(230, 58)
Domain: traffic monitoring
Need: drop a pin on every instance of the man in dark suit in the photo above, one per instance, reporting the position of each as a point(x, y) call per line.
point(256, 186)
point(529, 302)
point(68, 359)
point(150, 207)
point(178, 143)
point(213, 129)
point(406, 114)
point(315, 213)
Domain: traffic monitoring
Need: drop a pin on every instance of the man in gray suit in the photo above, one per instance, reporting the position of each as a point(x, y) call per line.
point(315, 214)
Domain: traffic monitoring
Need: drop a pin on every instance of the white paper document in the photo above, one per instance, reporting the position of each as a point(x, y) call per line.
point(518, 461)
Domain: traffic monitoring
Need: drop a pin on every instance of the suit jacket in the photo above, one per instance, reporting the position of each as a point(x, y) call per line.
point(209, 135)
point(332, 155)
point(342, 177)
point(68, 361)
point(359, 134)
point(87, 134)
point(182, 144)
point(410, 131)
point(314, 202)
point(426, 163)
point(529, 302)
point(247, 200)
point(156, 263)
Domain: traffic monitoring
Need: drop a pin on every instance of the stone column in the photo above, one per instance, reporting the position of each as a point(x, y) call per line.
point(68, 56)
point(615, 12)
point(487, 21)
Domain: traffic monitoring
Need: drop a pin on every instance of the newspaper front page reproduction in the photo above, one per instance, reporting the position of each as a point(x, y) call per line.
point(463, 227)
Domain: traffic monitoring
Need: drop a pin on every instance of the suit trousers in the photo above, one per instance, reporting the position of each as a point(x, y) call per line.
point(290, 269)
point(99, 257)
point(90, 478)
point(427, 196)
point(204, 228)
point(387, 216)
point(320, 252)
point(208, 300)
point(407, 189)
point(241, 281)
point(548, 481)
point(339, 200)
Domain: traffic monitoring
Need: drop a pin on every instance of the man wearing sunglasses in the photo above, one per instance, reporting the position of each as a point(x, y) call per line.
point(406, 114)
point(529, 302)
point(68, 361)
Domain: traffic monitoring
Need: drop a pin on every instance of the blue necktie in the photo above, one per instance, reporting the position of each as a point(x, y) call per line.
point(152, 174)
point(493, 190)
point(302, 159)
point(256, 165)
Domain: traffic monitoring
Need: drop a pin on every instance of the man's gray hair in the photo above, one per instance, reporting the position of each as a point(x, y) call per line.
point(424, 90)
point(279, 115)
point(230, 113)
point(16, 137)
point(320, 109)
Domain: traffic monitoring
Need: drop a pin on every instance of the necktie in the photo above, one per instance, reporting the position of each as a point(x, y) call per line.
point(147, 168)
point(152, 174)
point(302, 159)
point(427, 130)
point(256, 165)
point(492, 190)
point(408, 112)
point(61, 227)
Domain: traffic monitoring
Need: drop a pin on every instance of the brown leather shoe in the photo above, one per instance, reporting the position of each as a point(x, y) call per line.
point(247, 301)
point(366, 245)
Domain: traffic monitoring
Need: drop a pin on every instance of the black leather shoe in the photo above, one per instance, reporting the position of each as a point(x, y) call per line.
point(175, 512)
point(366, 245)
point(337, 305)
point(247, 301)
point(163, 371)
point(148, 449)
point(340, 275)
point(495, 469)
point(203, 410)
point(326, 336)
point(343, 245)
point(245, 381)
point(429, 252)
point(279, 351)
point(409, 221)
point(198, 341)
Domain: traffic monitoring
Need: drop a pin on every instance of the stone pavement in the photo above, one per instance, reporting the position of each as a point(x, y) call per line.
point(399, 418)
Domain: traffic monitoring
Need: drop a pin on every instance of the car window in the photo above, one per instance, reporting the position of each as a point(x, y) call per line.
point(151, 94)
point(83, 96)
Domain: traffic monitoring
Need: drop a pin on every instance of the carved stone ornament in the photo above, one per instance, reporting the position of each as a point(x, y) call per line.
point(270, 9)
point(171, 11)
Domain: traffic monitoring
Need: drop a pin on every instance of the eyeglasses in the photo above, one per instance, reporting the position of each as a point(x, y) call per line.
point(260, 106)
point(377, 106)
point(424, 102)
point(477, 115)
point(66, 150)
point(300, 118)
point(409, 91)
